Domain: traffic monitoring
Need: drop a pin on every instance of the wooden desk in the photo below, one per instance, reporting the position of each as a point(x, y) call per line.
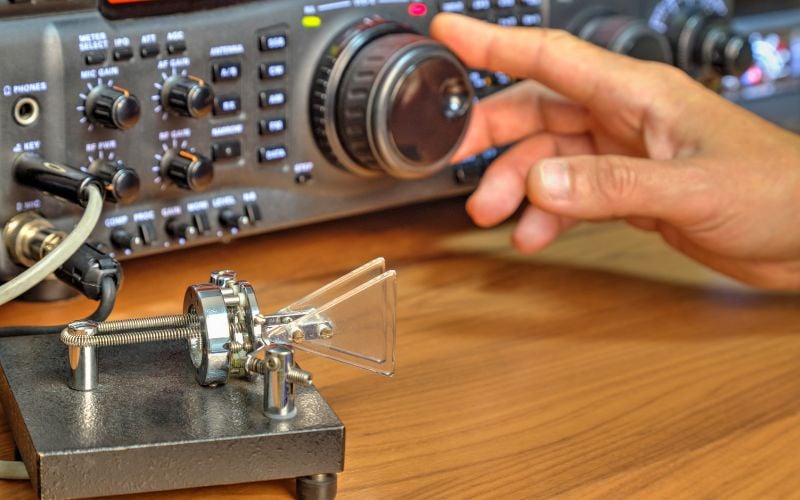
point(606, 366)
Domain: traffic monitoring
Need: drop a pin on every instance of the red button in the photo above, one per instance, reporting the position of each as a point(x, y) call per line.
point(417, 9)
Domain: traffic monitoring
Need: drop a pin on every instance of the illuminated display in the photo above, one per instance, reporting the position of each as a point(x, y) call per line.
point(116, 9)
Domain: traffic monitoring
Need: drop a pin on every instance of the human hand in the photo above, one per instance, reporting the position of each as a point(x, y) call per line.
point(601, 136)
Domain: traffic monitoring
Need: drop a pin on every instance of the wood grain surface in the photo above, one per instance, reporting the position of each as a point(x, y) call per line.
point(606, 366)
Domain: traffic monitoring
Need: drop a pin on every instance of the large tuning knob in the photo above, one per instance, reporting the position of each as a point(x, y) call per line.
point(704, 41)
point(112, 107)
point(627, 35)
point(188, 170)
point(388, 100)
point(187, 96)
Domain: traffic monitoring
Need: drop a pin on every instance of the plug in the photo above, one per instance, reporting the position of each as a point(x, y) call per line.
point(65, 182)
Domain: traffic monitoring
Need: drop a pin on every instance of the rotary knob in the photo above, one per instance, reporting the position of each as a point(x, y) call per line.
point(122, 183)
point(181, 230)
point(628, 36)
point(705, 41)
point(188, 170)
point(388, 100)
point(124, 240)
point(112, 107)
point(187, 96)
point(231, 219)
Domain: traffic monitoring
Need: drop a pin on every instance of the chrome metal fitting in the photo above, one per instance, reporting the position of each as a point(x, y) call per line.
point(83, 368)
point(229, 337)
point(208, 352)
point(29, 237)
point(276, 364)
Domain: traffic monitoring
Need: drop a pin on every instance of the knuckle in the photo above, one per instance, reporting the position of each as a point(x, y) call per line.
point(615, 180)
point(670, 83)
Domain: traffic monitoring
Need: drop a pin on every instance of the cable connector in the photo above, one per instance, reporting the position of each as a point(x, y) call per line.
point(86, 270)
point(29, 237)
point(65, 182)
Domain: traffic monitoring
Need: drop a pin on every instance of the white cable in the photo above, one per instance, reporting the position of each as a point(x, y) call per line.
point(60, 254)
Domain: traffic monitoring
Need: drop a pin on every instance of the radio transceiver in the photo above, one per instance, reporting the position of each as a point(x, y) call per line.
point(210, 120)
point(134, 127)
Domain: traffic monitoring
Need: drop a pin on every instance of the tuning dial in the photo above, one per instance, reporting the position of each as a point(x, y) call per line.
point(388, 100)
point(122, 183)
point(112, 107)
point(704, 41)
point(629, 36)
point(188, 170)
point(187, 96)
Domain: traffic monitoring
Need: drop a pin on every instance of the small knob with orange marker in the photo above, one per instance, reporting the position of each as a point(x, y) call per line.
point(187, 96)
point(112, 107)
point(187, 169)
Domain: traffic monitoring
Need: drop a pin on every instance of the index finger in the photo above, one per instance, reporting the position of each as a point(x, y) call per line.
point(566, 64)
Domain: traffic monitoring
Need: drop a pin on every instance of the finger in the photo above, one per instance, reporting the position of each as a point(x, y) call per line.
point(609, 187)
point(572, 67)
point(519, 111)
point(763, 274)
point(537, 229)
point(643, 223)
point(502, 188)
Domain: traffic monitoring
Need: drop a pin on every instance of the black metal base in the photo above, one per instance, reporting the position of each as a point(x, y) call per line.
point(150, 427)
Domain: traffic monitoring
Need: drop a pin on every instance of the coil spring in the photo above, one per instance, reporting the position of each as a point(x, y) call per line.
point(128, 338)
point(237, 347)
point(155, 322)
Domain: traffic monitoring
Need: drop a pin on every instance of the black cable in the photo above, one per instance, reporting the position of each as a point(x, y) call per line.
point(107, 300)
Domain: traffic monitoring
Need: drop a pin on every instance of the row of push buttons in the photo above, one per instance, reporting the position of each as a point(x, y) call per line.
point(185, 228)
point(125, 52)
point(226, 104)
point(273, 72)
point(232, 70)
point(502, 12)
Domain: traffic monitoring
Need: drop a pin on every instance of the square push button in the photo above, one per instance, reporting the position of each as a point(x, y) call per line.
point(273, 41)
point(226, 71)
point(271, 126)
point(272, 71)
point(93, 58)
point(269, 154)
point(227, 150)
point(149, 50)
point(227, 105)
point(271, 98)
point(123, 53)
point(176, 47)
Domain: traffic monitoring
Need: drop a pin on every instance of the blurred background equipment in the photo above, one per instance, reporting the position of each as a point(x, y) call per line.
point(209, 120)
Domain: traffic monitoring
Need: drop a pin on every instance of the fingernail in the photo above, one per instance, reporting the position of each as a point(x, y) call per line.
point(556, 179)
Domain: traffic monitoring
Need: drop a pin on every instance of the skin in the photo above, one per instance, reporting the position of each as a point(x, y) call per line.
point(600, 136)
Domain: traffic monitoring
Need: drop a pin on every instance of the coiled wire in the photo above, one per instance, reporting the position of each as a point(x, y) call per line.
point(130, 338)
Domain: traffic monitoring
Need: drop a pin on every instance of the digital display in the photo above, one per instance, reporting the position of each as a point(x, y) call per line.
point(119, 9)
point(114, 2)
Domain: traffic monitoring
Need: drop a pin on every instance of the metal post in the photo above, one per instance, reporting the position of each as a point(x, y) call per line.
point(278, 388)
point(83, 368)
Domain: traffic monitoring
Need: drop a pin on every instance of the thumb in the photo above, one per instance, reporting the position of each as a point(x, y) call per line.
point(607, 187)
